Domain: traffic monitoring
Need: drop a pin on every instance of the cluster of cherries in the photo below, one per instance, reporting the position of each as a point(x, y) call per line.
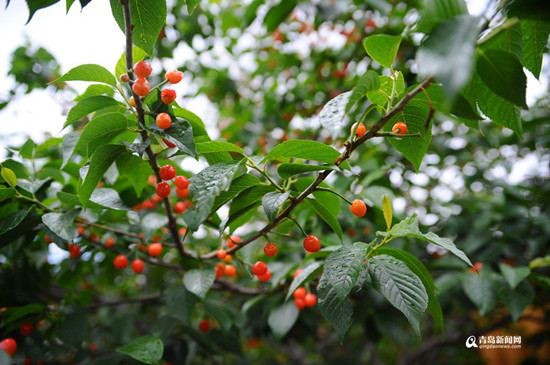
point(221, 268)
point(167, 173)
point(9, 345)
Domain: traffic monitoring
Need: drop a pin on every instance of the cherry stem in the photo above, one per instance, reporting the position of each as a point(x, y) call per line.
point(335, 193)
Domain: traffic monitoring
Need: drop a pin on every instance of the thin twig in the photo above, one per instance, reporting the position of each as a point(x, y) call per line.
point(98, 305)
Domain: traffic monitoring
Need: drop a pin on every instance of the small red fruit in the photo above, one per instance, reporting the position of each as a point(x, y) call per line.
point(110, 242)
point(312, 243)
point(204, 325)
point(155, 249)
point(142, 69)
point(270, 249)
point(120, 262)
point(27, 361)
point(26, 328)
point(230, 270)
point(181, 182)
point(310, 299)
point(265, 277)
point(74, 250)
point(477, 266)
point(168, 143)
point(168, 96)
point(219, 270)
point(259, 268)
point(228, 258)
point(300, 303)
point(124, 77)
point(137, 266)
point(141, 87)
point(8, 345)
point(182, 193)
point(360, 130)
point(358, 208)
point(399, 128)
point(167, 172)
point(47, 239)
point(180, 207)
point(297, 272)
point(233, 241)
point(174, 76)
point(163, 189)
point(163, 120)
point(300, 293)
point(221, 253)
point(81, 230)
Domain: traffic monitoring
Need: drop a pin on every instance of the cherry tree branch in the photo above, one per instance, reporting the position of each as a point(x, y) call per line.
point(172, 225)
point(349, 148)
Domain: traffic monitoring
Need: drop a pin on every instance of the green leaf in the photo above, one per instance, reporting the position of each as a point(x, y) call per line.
point(152, 222)
point(250, 13)
point(506, 37)
point(238, 185)
point(137, 55)
point(534, 34)
point(282, 318)
point(514, 275)
point(343, 267)
point(330, 217)
point(13, 220)
point(287, 170)
point(180, 303)
point(225, 315)
point(333, 113)
point(89, 72)
point(88, 105)
point(198, 281)
point(369, 82)
point(6, 193)
point(101, 130)
point(94, 90)
point(196, 122)
point(386, 210)
point(481, 290)
point(329, 200)
point(148, 18)
point(335, 311)
point(503, 73)
point(401, 287)
point(191, 5)
point(249, 198)
point(108, 198)
point(180, 133)
point(448, 53)
point(204, 188)
point(408, 227)
point(26, 151)
point(272, 202)
point(74, 328)
point(147, 349)
point(380, 96)
point(416, 266)
point(434, 12)
point(69, 143)
point(540, 262)
point(217, 146)
point(301, 148)
point(135, 170)
point(308, 273)
point(382, 48)
point(61, 223)
point(21, 312)
point(278, 13)
point(415, 115)
point(498, 109)
point(516, 299)
point(9, 176)
point(35, 5)
point(100, 161)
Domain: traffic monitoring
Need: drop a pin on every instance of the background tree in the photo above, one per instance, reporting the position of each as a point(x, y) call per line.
point(310, 97)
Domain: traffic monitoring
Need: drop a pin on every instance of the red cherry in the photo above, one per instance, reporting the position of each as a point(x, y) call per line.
point(270, 249)
point(142, 69)
point(233, 241)
point(110, 242)
point(300, 303)
point(155, 249)
point(120, 262)
point(81, 230)
point(180, 207)
point(137, 266)
point(74, 250)
point(168, 96)
point(174, 76)
point(358, 208)
point(163, 189)
point(8, 345)
point(399, 128)
point(230, 270)
point(310, 299)
point(265, 277)
point(163, 120)
point(168, 143)
point(181, 182)
point(26, 328)
point(141, 87)
point(220, 269)
point(476, 268)
point(259, 268)
point(182, 193)
point(228, 258)
point(300, 293)
point(167, 172)
point(204, 325)
point(47, 239)
point(297, 272)
point(312, 243)
point(360, 132)
point(221, 253)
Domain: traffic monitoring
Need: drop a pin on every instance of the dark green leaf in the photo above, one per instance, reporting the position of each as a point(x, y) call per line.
point(26, 151)
point(137, 55)
point(382, 48)
point(250, 13)
point(287, 170)
point(282, 318)
point(101, 130)
point(21, 312)
point(506, 37)
point(94, 90)
point(481, 290)
point(180, 133)
point(61, 223)
point(516, 299)
point(332, 116)
point(434, 12)
point(534, 36)
point(514, 275)
point(35, 5)
point(147, 349)
point(88, 105)
point(278, 13)
point(152, 222)
point(308, 273)
point(191, 5)
point(338, 313)
point(330, 217)
point(108, 198)
point(272, 202)
point(401, 287)
point(306, 149)
point(367, 83)
point(198, 281)
point(6, 193)
point(343, 267)
point(180, 303)
point(74, 329)
point(135, 170)
point(238, 185)
point(138, 147)
point(224, 314)
point(217, 146)
point(69, 143)
point(503, 73)
point(89, 72)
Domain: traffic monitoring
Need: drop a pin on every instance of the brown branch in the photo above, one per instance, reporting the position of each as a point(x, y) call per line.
point(172, 225)
point(324, 174)
point(107, 228)
point(97, 305)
